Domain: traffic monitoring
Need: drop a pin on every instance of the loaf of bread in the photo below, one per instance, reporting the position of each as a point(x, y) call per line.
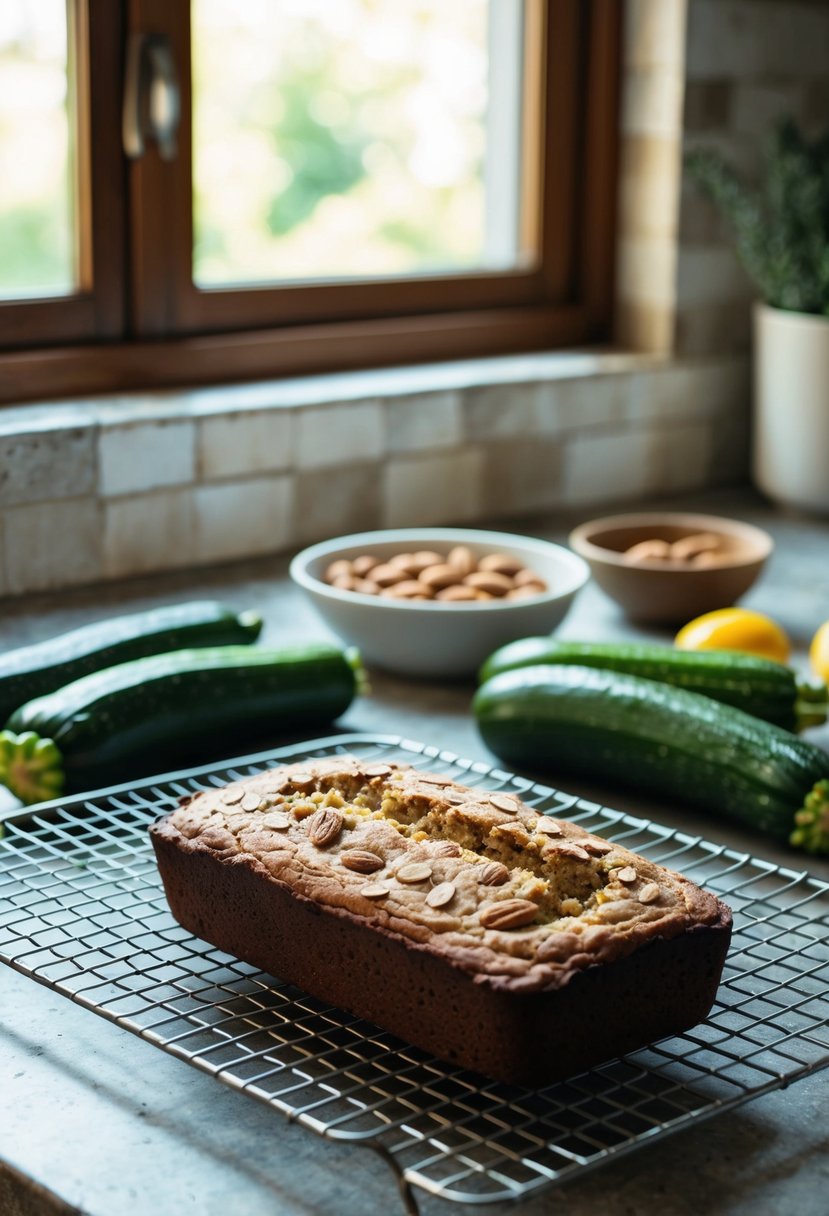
point(496, 938)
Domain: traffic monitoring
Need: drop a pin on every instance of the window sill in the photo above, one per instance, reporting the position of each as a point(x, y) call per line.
point(152, 481)
point(300, 391)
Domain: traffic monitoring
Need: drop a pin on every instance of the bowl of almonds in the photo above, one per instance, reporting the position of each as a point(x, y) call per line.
point(668, 566)
point(435, 602)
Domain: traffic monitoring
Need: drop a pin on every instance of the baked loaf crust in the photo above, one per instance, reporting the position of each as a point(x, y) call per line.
point(502, 940)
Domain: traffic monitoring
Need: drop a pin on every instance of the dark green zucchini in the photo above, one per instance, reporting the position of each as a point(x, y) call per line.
point(758, 686)
point(610, 726)
point(169, 709)
point(31, 671)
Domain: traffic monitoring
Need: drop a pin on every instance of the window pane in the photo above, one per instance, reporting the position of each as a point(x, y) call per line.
point(37, 255)
point(354, 138)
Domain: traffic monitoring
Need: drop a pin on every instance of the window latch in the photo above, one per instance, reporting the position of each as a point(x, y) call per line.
point(152, 104)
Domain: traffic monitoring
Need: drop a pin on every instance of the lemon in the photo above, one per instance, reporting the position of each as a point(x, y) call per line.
point(739, 629)
point(819, 652)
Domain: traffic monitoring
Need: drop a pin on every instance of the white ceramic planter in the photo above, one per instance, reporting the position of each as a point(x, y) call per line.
point(790, 457)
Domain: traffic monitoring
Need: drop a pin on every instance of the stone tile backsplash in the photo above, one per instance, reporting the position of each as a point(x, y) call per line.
point(52, 544)
point(255, 516)
point(137, 485)
point(264, 444)
point(147, 532)
point(429, 489)
point(37, 465)
point(144, 456)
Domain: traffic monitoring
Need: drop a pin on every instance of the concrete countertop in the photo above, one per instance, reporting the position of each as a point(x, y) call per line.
point(95, 1120)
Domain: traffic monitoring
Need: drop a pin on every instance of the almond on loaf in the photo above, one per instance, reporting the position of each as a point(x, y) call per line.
point(508, 942)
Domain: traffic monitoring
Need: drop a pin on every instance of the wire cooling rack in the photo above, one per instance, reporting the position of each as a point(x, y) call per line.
point(82, 911)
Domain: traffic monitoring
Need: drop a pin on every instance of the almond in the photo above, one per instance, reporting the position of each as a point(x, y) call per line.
point(361, 861)
point(494, 874)
point(277, 820)
point(377, 770)
point(501, 563)
point(414, 871)
point(446, 848)
point(387, 575)
point(509, 914)
point(362, 564)
point(462, 559)
point(626, 874)
point(338, 569)
point(375, 890)
point(457, 594)
point(548, 827)
point(438, 576)
point(489, 581)
point(503, 802)
point(441, 895)
point(324, 826)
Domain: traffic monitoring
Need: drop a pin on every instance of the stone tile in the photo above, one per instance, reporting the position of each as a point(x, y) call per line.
point(243, 518)
point(338, 501)
point(707, 276)
point(145, 408)
point(710, 329)
point(46, 416)
point(646, 269)
point(669, 393)
point(51, 545)
point(741, 152)
point(726, 384)
point(815, 104)
point(654, 33)
point(652, 103)
point(233, 444)
point(730, 445)
point(649, 184)
point(425, 490)
point(148, 532)
point(700, 222)
point(679, 457)
point(339, 434)
point(707, 105)
point(587, 402)
point(739, 40)
point(44, 464)
point(758, 107)
point(500, 411)
point(725, 39)
point(691, 390)
point(420, 423)
point(145, 456)
point(606, 466)
point(521, 476)
point(644, 327)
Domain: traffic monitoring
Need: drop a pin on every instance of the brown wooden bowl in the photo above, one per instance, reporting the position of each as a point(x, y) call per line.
point(665, 590)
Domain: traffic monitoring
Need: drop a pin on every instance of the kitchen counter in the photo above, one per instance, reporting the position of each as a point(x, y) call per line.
point(93, 1119)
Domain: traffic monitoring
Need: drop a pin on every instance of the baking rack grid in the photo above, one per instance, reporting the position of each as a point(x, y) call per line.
point(82, 911)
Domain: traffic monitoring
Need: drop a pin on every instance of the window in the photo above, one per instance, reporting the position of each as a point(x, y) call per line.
point(61, 274)
point(299, 185)
point(38, 252)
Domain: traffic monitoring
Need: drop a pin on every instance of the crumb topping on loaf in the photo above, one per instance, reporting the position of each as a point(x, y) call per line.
point(520, 899)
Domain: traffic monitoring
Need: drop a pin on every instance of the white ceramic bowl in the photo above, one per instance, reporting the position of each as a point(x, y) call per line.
point(430, 638)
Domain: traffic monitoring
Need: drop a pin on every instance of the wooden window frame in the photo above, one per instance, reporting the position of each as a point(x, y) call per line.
point(96, 310)
point(145, 324)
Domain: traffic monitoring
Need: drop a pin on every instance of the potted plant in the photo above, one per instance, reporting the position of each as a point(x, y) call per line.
point(781, 232)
